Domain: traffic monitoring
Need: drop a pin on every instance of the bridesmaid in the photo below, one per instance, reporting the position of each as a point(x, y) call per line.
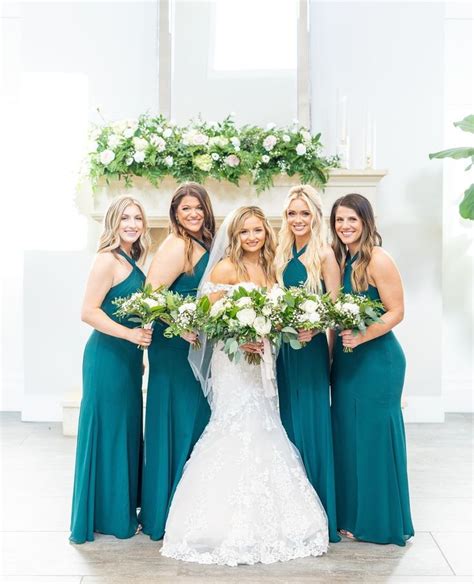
point(369, 437)
point(305, 259)
point(177, 411)
point(110, 424)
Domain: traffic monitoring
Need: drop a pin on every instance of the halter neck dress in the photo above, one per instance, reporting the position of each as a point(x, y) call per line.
point(106, 482)
point(369, 436)
point(303, 389)
point(176, 414)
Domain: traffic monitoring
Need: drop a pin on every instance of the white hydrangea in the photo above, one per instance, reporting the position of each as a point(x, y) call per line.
point(167, 132)
point(187, 307)
point(169, 161)
point(218, 141)
point(351, 308)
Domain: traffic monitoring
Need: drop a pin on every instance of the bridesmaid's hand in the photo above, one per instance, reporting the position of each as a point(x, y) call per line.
point(253, 348)
point(306, 336)
point(190, 337)
point(140, 336)
point(349, 339)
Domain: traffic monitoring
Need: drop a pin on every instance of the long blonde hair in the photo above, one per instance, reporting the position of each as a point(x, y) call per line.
point(110, 238)
point(196, 190)
point(369, 239)
point(316, 243)
point(235, 252)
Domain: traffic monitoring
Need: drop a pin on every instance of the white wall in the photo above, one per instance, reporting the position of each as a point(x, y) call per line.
point(389, 57)
point(388, 54)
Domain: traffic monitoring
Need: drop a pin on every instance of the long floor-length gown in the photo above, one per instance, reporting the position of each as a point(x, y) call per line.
point(303, 389)
point(176, 414)
point(370, 458)
point(244, 496)
point(106, 482)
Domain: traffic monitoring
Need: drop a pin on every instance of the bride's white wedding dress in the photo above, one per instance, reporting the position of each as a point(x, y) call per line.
point(244, 496)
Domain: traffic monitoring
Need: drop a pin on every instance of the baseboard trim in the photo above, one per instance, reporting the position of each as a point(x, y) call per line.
point(458, 396)
point(417, 409)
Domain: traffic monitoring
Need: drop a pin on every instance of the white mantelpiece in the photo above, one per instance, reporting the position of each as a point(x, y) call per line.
point(226, 196)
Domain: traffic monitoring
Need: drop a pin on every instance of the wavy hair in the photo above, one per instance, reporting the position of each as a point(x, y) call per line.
point(235, 252)
point(316, 243)
point(196, 190)
point(369, 239)
point(110, 238)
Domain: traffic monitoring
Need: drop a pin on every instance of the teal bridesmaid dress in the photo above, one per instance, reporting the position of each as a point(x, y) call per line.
point(109, 441)
point(369, 437)
point(303, 388)
point(176, 414)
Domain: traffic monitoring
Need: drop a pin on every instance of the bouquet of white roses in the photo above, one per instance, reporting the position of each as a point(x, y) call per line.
point(356, 312)
point(142, 307)
point(303, 310)
point(184, 314)
point(245, 316)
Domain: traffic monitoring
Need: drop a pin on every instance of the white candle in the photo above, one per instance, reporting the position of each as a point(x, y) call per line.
point(343, 118)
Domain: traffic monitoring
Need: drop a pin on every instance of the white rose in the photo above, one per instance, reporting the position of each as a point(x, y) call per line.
point(301, 149)
point(275, 293)
point(158, 142)
point(200, 139)
point(114, 141)
point(350, 307)
point(187, 307)
point(246, 316)
point(265, 158)
point(151, 302)
point(140, 143)
point(169, 161)
point(139, 156)
point(286, 138)
point(314, 317)
point(309, 306)
point(106, 157)
point(215, 156)
point(167, 133)
point(218, 307)
point(262, 326)
point(306, 136)
point(269, 142)
point(245, 301)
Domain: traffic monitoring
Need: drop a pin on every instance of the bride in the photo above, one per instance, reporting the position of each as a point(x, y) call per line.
point(244, 496)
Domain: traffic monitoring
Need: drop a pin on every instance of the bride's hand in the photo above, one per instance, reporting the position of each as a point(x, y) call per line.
point(253, 348)
point(190, 337)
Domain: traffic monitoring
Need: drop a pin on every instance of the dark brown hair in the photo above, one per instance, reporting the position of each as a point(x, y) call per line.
point(196, 190)
point(368, 240)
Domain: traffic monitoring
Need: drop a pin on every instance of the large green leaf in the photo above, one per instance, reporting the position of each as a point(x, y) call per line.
point(456, 153)
point(466, 124)
point(466, 208)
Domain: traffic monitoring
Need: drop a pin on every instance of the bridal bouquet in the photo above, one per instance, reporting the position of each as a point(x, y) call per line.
point(304, 310)
point(143, 306)
point(246, 316)
point(184, 314)
point(356, 312)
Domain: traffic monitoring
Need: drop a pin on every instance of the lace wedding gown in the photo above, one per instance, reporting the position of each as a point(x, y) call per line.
point(244, 496)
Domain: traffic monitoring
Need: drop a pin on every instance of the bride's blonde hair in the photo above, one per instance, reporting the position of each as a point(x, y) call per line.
point(235, 252)
point(317, 241)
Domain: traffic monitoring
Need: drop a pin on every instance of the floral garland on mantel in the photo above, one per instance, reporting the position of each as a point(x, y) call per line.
point(153, 148)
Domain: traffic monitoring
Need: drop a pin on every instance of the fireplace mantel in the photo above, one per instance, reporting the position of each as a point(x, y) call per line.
point(226, 196)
